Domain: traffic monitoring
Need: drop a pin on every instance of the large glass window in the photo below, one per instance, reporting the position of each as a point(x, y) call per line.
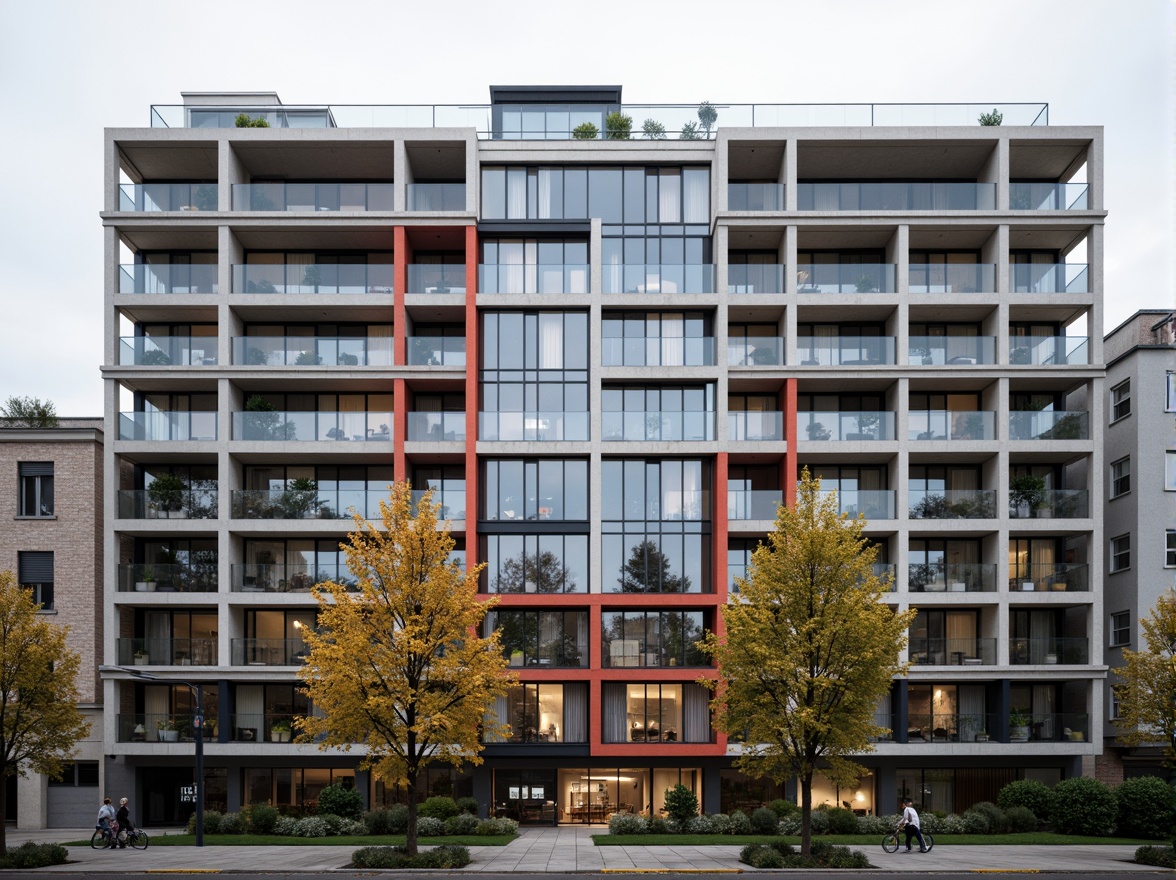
point(651, 638)
point(35, 569)
point(543, 563)
point(519, 265)
point(36, 488)
point(654, 713)
point(325, 491)
point(535, 489)
point(652, 339)
point(447, 481)
point(541, 638)
point(658, 413)
point(545, 713)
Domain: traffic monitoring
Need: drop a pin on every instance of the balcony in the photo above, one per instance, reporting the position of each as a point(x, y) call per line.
point(452, 501)
point(755, 426)
point(436, 197)
point(952, 278)
point(1049, 350)
point(167, 426)
point(161, 577)
point(1049, 425)
point(437, 351)
point(312, 197)
point(165, 351)
point(310, 427)
point(257, 577)
point(952, 504)
point(870, 503)
point(755, 197)
point(305, 351)
point(951, 350)
point(654, 351)
point(755, 351)
point(436, 278)
point(1053, 504)
point(1049, 278)
point(1048, 651)
point(955, 577)
point(436, 427)
point(845, 278)
point(308, 503)
point(921, 196)
point(543, 427)
point(168, 278)
point(967, 651)
point(272, 727)
point(755, 278)
point(844, 351)
point(150, 727)
point(532, 278)
point(166, 652)
point(1051, 577)
point(268, 652)
point(193, 504)
point(1048, 196)
point(656, 427)
point(167, 196)
point(753, 504)
point(846, 425)
point(951, 425)
point(659, 278)
point(312, 278)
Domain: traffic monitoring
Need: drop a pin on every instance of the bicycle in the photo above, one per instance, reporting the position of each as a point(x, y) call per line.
point(137, 839)
point(890, 843)
point(102, 837)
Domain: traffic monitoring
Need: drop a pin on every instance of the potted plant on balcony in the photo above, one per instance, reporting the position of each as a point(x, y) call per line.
point(167, 731)
point(1019, 724)
point(167, 494)
point(280, 731)
point(147, 584)
point(141, 657)
point(919, 354)
point(1026, 495)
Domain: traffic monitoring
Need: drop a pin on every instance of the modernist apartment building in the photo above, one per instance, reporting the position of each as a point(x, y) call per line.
point(1139, 510)
point(51, 540)
point(610, 357)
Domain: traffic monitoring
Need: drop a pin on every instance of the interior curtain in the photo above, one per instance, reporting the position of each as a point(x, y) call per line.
point(551, 333)
point(695, 195)
point(961, 633)
point(158, 629)
point(545, 176)
point(972, 708)
point(156, 707)
point(695, 713)
point(673, 331)
point(1041, 635)
point(826, 344)
point(1043, 710)
point(379, 346)
point(251, 710)
point(612, 271)
point(582, 636)
point(612, 696)
point(669, 197)
point(516, 193)
point(502, 716)
point(576, 712)
point(297, 268)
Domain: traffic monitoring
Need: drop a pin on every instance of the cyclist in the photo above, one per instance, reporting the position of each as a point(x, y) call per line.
point(910, 821)
point(105, 816)
point(124, 824)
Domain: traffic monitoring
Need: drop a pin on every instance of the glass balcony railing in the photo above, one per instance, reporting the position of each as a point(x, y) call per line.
point(751, 426)
point(1049, 651)
point(312, 196)
point(755, 197)
point(659, 278)
point(1047, 577)
point(165, 351)
point(532, 278)
point(870, 503)
point(436, 427)
point(1049, 727)
point(755, 278)
point(263, 727)
point(1049, 425)
point(159, 278)
point(175, 425)
point(452, 501)
point(1049, 350)
point(755, 351)
point(951, 350)
point(952, 727)
point(753, 504)
point(845, 278)
point(308, 278)
point(1053, 504)
point(846, 425)
point(657, 426)
point(167, 577)
point(938, 424)
point(153, 727)
point(653, 351)
point(436, 278)
point(436, 197)
point(166, 652)
point(295, 503)
point(952, 278)
point(844, 351)
point(1049, 278)
point(295, 577)
point(167, 196)
point(542, 427)
point(303, 351)
point(268, 652)
point(437, 351)
point(952, 504)
point(327, 425)
point(954, 577)
point(1048, 196)
point(919, 196)
point(966, 651)
point(200, 503)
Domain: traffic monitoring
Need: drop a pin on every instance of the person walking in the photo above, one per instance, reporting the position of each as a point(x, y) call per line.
point(123, 817)
point(106, 815)
point(910, 822)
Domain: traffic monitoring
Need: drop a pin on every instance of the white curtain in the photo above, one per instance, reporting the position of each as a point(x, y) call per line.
point(502, 716)
point(612, 695)
point(669, 196)
point(961, 633)
point(545, 176)
point(695, 195)
point(296, 270)
point(379, 345)
point(251, 710)
point(827, 345)
point(695, 713)
point(156, 707)
point(576, 712)
point(516, 193)
point(1041, 635)
point(673, 331)
point(1043, 710)
point(972, 710)
point(551, 341)
point(158, 629)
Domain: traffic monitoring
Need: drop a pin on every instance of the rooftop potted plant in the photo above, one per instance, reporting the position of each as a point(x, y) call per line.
point(585, 131)
point(617, 126)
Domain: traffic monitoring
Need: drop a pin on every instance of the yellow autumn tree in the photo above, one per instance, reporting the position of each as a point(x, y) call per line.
point(397, 665)
point(39, 719)
point(1147, 681)
point(810, 647)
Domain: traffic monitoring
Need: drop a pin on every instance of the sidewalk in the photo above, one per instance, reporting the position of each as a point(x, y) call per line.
point(569, 849)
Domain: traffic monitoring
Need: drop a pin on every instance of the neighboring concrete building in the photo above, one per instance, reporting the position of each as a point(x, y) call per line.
point(52, 542)
point(611, 358)
point(1139, 513)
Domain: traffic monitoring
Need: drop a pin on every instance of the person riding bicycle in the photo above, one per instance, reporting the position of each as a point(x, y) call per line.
point(105, 817)
point(123, 816)
point(910, 822)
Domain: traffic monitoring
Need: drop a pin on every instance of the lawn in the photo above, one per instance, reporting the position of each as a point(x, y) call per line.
point(1033, 838)
point(343, 840)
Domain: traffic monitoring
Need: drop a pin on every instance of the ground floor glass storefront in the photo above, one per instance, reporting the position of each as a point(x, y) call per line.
point(586, 795)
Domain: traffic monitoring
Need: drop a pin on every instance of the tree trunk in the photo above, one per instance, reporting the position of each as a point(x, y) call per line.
point(3, 814)
point(806, 813)
point(410, 837)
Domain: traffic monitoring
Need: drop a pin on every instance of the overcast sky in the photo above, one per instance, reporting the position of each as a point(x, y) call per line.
point(69, 69)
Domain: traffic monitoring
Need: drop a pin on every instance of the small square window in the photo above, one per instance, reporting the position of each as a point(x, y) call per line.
point(36, 488)
point(1120, 477)
point(1121, 401)
point(1120, 629)
point(1170, 550)
point(1120, 553)
point(1114, 703)
point(35, 573)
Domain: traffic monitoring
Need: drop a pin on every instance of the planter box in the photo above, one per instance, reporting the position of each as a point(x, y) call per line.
point(142, 661)
point(958, 586)
point(168, 736)
point(1027, 586)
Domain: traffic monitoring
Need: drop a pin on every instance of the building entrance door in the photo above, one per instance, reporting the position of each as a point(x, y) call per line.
point(527, 796)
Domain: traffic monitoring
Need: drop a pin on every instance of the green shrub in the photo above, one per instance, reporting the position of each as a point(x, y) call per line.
point(657, 825)
point(626, 823)
point(501, 825)
point(842, 821)
point(976, 822)
point(311, 826)
point(462, 823)
point(585, 131)
point(820, 821)
point(782, 855)
point(764, 821)
point(1084, 806)
point(34, 855)
point(261, 818)
point(335, 800)
point(783, 808)
point(1020, 819)
point(998, 823)
point(467, 805)
point(430, 826)
point(759, 856)
point(212, 822)
point(438, 807)
point(398, 818)
point(286, 826)
point(1027, 793)
point(232, 823)
point(1145, 808)
point(378, 822)
point(1160, 856)
point(445, 856)
point(740, 823)
point(681, 805)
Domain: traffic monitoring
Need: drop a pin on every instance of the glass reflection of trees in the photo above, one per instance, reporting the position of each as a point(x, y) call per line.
point(652, 638)
point(541, 638)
